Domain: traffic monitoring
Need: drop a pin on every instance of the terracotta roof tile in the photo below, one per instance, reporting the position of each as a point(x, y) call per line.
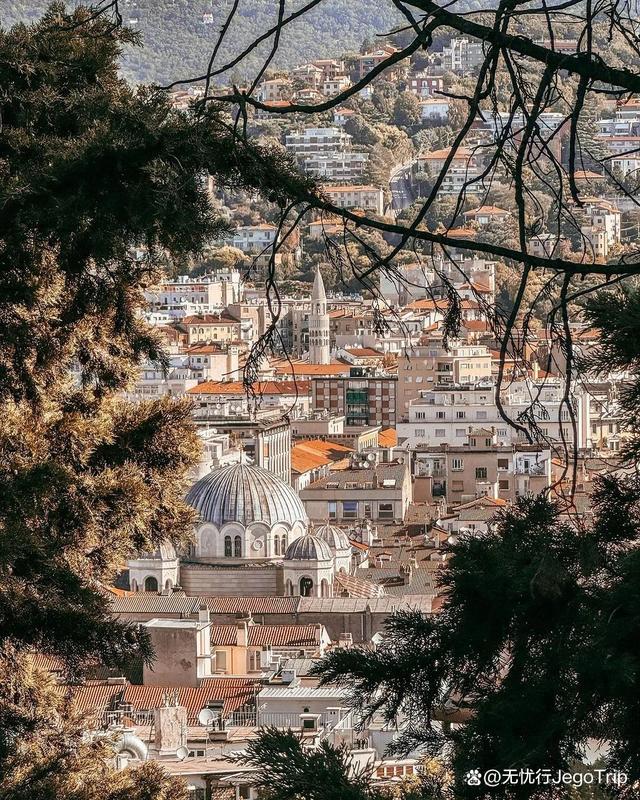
point(261, 388)
point(388, 437)
point(234, 692)
point(274, 635)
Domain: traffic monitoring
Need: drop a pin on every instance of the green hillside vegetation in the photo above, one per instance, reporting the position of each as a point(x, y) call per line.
point(177, 40)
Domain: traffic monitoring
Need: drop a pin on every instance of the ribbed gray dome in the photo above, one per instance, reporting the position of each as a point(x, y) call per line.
point(245, 494)
point(335, 537)
point(308, 548)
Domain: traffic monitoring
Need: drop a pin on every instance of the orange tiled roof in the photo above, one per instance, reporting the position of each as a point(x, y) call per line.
point(101, 695)
point(304, 368)
point(388, 437)
point(327, 448)
point(363, 351)
point(304, 461)
point(261, 388)
point(274, 635)
point(209, 319)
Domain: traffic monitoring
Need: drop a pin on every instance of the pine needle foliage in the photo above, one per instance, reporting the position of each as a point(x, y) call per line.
point(103, 187)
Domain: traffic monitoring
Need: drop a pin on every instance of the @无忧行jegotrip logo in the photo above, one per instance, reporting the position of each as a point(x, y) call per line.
point(544, 777)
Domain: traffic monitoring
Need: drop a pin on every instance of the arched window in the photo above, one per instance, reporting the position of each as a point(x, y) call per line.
point(283, 544)
point(276, 545)
point(306, 587)
point(324, 588)
point(237, 547)
point(151, 584)
point(227, 547)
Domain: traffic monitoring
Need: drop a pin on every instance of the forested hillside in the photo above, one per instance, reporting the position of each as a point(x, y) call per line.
point(178, 35)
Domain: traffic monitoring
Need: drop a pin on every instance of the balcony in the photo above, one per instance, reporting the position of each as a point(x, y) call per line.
point(533, 469)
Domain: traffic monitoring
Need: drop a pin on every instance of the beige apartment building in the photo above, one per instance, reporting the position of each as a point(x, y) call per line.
point(211, 328)
point(483, 468)
point(381, 494)
point(367, 198)
point(429, 365)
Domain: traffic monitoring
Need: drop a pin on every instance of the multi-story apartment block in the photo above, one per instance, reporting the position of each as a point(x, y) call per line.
point(211, 328)
point(331, 67)
point(189, 295)
point(482, 467)
point(333, 86)
point(367, 198)
point(364, 398)
point(443, 415)
point(425, 85)
point(379, 493)
point(431, 365)
point(253, 239)
point(369, 61)
point(311, 141)
point(274, 89)
point(341, 166)
point(463, 55)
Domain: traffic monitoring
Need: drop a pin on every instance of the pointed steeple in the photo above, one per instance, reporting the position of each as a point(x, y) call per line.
point(318, 292)
point(319, 352)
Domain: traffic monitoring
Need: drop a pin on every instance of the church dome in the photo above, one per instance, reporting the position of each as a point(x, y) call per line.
point(308, 548)
point(245, 494)
point(335, 537)
point(165, 551)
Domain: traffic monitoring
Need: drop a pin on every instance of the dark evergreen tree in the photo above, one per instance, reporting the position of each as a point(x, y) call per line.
point(102, 187)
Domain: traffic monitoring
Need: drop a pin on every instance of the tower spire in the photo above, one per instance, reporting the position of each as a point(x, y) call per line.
point(319, 351)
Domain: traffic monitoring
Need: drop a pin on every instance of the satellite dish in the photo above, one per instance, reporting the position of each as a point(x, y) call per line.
point(371, 457)
point(206, 716)
point(183, 752)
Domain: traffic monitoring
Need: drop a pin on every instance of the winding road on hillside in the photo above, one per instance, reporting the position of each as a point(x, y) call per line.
point(402, 194)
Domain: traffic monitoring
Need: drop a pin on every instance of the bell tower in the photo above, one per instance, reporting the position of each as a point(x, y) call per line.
point(319, 352)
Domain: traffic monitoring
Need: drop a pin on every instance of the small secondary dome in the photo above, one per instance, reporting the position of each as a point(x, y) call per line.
point(245, 494)
point(308, 548)
point(335, 537)
point(164, 551)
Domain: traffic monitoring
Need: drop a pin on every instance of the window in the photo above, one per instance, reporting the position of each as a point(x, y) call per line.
point(349, 509)
point(385, 510)
point(332, 509)
point(461, 432)
point(420, 433)
point(481, 414)
point(440, 433)
point(306, 587)
point(481, 473)
point(151, 584)
point(237, 547)
point(503, 463)
point(276, 545)
point(461, 414)
point(440, 414)
point(227, 547)
point(367, 510)
point(503, 483)
point(221, 660)
point(457, 464)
